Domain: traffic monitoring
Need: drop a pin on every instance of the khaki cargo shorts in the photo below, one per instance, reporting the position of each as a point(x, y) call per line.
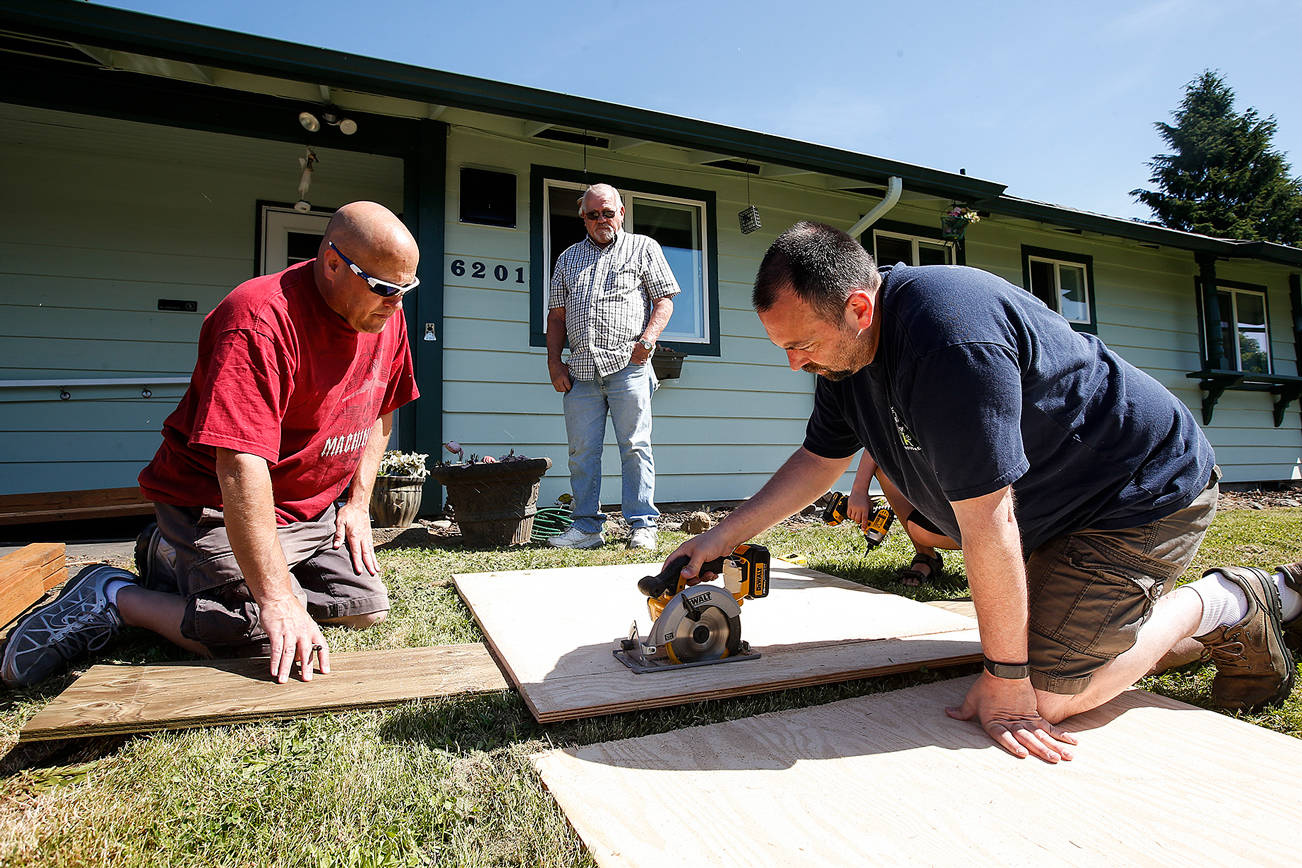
point(220, 612)
point(1091, 591)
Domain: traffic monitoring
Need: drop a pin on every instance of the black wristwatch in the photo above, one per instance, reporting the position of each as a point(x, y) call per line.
point(1008, 670)
point(646, 344)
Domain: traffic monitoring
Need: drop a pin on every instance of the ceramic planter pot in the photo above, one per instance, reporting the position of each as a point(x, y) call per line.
point(395, 500)
point(495, 503)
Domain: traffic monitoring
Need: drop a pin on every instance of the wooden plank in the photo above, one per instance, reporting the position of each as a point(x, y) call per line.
point(554, 631)
point(65, 505)
point(890, 780)
point(116, 700)
point(25, 576)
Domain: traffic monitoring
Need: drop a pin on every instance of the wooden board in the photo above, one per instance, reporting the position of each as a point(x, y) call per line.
point(69, 505)
point(114, 700)
point(25, 576)
point(890, 780)
point(554, 631)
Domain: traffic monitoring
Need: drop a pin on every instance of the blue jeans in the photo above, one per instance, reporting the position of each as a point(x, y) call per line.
point(626, 395)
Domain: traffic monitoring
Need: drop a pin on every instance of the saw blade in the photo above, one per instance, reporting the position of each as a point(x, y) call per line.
point(702, 623)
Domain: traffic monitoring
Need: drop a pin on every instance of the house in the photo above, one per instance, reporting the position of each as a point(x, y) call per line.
point(151, 165)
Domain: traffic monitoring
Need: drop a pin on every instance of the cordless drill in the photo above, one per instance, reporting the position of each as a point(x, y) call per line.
point(880, 524)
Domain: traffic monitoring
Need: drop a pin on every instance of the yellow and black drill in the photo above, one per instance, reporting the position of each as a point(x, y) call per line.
point(875, 533)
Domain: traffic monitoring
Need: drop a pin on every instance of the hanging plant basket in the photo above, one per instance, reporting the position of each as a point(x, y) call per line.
point(952, 228)
point(495, 503)
point(395, 500)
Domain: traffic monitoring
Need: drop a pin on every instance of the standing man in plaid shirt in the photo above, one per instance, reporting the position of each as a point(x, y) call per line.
point(611, 295)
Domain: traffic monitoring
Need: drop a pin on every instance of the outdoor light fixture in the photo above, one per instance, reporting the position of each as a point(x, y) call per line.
point(305, 162)
point(332, 116)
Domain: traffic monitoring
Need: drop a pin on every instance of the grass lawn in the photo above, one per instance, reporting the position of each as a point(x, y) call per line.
point(439, 782)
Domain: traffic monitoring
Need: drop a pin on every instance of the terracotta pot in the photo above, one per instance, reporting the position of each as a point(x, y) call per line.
point(395, 500)
point(495, 503)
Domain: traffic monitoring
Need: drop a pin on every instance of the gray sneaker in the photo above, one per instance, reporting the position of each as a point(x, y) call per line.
point(643, 538)
point(577, 539)
point(1253, 665)
point(78, 621)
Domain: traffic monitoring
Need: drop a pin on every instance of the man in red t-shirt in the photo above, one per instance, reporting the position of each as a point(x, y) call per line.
point(263, 481)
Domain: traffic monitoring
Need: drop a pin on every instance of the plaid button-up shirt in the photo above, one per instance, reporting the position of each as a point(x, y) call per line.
point(607, 294)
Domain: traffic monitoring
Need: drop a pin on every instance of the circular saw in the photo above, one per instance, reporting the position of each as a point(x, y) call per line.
point(701, 624)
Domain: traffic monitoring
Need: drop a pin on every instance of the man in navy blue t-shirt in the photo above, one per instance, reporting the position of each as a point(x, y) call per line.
point(1079, 487)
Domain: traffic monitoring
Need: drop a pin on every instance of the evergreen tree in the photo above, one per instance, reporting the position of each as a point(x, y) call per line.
point(1223, 177)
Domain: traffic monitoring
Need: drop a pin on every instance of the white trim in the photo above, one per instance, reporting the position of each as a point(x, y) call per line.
point(914, 241)
point(276, 223)
point(1237, 356)
point(704, 299)
point(1057, 284)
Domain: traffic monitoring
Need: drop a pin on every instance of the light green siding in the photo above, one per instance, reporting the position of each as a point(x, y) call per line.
point(720, 430)
point(1147, 312)
point(103, 218)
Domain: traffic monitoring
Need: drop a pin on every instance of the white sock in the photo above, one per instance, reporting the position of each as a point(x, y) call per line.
point(1224, 602)
point(112, 588)
point(1291, 599)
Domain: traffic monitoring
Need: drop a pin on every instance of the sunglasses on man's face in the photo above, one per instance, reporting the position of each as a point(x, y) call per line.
point(382, 288)
point(597, 215)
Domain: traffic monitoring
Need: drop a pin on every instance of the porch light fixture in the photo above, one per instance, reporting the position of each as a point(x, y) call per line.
point(332, 117)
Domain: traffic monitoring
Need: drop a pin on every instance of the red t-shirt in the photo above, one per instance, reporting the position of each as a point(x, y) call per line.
point(282, 376)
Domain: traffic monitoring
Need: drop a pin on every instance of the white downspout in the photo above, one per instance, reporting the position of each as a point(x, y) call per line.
point(894, 187)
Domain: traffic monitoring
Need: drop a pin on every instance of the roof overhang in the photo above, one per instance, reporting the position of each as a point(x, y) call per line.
point(1146, 233)
point(83, 24)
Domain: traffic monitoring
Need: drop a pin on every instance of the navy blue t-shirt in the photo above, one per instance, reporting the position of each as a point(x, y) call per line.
point(977, 385)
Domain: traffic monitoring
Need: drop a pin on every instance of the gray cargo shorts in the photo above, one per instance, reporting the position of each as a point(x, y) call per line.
point(220, 612)
point(1091, 591)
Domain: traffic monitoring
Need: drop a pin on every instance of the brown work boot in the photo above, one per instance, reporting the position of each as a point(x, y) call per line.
point(1293, 629)
point(1253, 665)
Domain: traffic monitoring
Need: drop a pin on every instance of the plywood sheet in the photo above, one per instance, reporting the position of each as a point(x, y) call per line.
point(890, 780)
point(113, 700)
point(554, 631)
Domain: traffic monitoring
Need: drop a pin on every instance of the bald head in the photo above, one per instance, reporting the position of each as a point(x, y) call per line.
point(374, 239)
point(373, 234)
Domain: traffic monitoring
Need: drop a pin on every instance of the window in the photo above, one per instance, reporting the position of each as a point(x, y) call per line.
point(680, 219)
point(487, 197)
point(890, 247)
point(1063, 282)
point(1245, 335)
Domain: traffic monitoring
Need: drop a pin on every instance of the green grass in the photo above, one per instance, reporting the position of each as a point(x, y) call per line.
point(437, 782)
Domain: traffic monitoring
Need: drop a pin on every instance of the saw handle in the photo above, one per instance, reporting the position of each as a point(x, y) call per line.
point(669, 581)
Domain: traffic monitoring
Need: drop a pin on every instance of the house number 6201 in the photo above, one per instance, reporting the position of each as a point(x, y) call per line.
point(478, 270)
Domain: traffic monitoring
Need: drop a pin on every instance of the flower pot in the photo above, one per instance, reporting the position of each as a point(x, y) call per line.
point(495, 503)
point(952, 228)
point(667, 363)
point(395, 500)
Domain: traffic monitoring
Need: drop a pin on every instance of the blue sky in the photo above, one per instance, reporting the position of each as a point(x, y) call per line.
point(1056, 100)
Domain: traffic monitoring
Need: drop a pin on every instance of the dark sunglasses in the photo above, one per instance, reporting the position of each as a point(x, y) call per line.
point(597, 215)
point(382, 288)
